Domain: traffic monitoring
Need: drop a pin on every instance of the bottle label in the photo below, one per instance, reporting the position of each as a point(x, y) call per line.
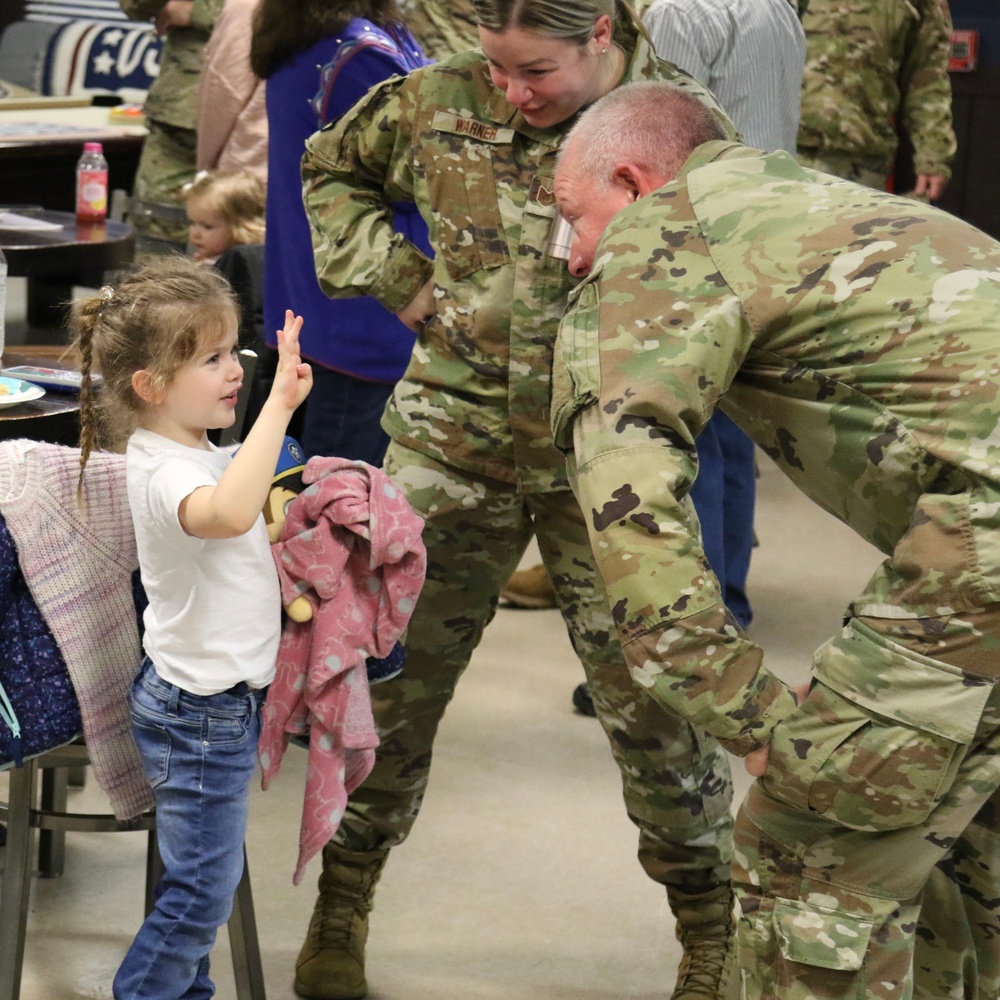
point(92, 194)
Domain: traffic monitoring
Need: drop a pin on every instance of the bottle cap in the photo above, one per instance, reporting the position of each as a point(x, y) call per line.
point(92, 147)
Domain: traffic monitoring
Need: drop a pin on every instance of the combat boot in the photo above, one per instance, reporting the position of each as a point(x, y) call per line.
point(331, 964)
point(706, 930)
point(529, 588)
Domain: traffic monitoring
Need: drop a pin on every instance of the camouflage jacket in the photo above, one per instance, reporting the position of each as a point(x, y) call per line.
point(442, 28)
point(476, 392)
point(871, 64)
point(852, 334)
point(173, 97)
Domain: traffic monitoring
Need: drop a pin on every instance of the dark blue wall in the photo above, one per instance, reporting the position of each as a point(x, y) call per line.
point(982, 16)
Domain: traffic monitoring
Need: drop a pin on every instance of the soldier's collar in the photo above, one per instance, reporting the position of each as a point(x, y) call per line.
point(708, 152)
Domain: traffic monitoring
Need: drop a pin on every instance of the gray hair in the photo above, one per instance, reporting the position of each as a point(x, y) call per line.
point(653, 124)
point(573, 21)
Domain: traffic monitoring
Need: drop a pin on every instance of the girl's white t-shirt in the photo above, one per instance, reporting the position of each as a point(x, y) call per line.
point(214, 615)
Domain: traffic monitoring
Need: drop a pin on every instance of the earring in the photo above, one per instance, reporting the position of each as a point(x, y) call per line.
point(604, 52)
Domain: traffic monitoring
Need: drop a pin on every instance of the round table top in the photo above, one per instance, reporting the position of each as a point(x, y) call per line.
point(71, 247)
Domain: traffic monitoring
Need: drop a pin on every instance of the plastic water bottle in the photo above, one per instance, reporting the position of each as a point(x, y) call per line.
point(92, 184)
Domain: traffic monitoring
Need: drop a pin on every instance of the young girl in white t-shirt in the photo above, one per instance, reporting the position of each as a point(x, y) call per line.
point(164, 341)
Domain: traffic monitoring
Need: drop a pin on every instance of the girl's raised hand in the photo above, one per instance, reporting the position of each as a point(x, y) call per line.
point(293, 379)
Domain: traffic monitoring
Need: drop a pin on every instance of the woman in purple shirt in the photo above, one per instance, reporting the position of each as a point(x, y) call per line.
point(318, 60)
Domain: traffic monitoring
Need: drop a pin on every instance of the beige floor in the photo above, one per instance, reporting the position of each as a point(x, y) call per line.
point(520, 880)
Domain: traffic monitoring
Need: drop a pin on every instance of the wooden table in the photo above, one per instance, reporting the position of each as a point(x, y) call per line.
point(56, 416)
point(54, 260)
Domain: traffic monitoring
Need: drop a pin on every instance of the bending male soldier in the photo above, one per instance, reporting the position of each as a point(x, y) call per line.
point(853, 335)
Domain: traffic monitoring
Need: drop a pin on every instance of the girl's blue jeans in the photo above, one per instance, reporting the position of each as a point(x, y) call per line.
point(199, 754)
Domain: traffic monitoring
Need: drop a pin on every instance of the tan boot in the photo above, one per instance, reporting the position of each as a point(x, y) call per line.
point(529, 588)
point(706, 930)
point(331, 964)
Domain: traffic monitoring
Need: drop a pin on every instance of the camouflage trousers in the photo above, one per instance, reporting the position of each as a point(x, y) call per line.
point(873, 174)
point(165, 166)
point(867, 859)
point(677, 785)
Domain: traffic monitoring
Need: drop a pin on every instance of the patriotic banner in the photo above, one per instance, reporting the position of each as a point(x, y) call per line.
point(88, 57)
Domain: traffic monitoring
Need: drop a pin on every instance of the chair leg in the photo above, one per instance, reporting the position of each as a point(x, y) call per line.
point(52, 843)
point(16, 879)
point(243, 942)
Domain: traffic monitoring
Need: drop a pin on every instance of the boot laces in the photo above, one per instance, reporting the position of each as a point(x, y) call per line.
point(702, 967)
point(335, 924)
point(339, 907)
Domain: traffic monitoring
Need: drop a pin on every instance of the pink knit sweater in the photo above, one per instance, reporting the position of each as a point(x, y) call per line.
point(78, 564)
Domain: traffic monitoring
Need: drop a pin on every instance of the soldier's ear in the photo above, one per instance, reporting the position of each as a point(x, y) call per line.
point(625, 181)
point(638, 181)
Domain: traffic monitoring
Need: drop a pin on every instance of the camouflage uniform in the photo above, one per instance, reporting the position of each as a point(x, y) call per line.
point(471, 443)
point(852, 335)
point(168, 153)
point(442, 28)
point(872, 65)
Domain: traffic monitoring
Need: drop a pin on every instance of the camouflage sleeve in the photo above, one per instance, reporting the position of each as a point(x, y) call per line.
point(351, 173)
point(442, 28)
point(205, 13)
point(140, 10)
point(641, 362)
point(925, 89)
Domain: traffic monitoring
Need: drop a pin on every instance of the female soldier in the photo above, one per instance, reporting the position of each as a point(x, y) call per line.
point(473, 142)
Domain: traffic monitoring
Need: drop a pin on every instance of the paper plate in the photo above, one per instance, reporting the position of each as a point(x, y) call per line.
point(14, 391)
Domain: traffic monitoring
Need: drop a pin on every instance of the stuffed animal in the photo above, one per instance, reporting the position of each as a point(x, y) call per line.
point(286, 485)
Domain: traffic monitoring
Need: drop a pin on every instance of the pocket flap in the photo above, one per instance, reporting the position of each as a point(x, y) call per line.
point(936, 697)
point(823, 937)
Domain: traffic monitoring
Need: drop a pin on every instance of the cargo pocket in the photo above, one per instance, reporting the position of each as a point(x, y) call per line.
point(822, 937)
point(878, 741)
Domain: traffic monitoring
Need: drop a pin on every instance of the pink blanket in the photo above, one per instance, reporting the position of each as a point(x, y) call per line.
point(351, 545)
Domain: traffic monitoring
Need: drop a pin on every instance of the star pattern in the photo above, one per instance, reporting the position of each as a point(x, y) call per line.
point(104, 63)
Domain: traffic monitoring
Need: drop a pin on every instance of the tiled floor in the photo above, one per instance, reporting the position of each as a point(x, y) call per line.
point(520, 879)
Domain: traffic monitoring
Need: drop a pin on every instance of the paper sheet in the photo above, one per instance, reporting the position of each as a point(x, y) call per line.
point(12, 220)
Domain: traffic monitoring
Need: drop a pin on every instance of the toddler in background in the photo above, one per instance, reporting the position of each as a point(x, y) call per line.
point(165, 342)
point(225, 208)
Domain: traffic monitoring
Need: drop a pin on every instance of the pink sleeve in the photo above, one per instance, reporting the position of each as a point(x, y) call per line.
point(227, 82)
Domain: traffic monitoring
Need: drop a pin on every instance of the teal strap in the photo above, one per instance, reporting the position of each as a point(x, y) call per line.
point(9, 716)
